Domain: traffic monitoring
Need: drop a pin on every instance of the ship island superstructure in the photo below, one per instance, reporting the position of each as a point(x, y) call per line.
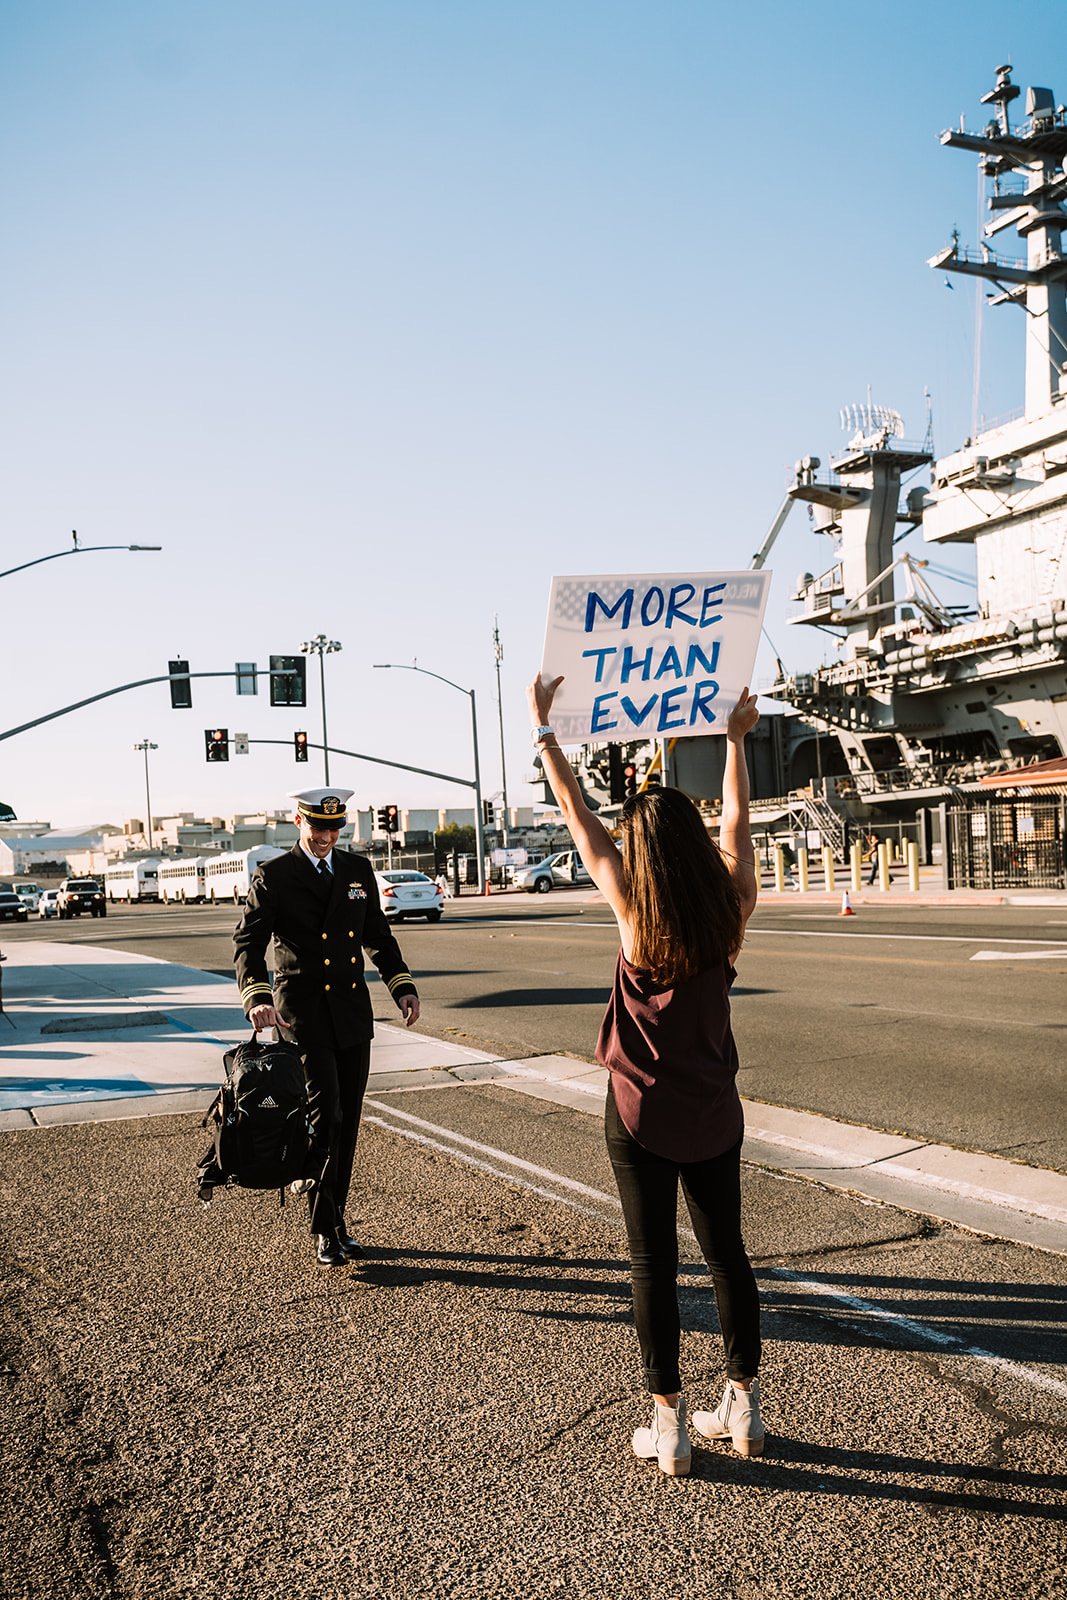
point(925, 697)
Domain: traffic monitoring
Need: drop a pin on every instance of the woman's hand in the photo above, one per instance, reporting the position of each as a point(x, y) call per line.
point(540, 697)
point(743, 717)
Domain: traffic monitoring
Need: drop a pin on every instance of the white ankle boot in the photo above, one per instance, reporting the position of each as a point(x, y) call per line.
point(737, 1419)
point(666, 1441)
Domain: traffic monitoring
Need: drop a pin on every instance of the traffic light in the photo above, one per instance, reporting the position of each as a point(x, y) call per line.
point(217, 744)
point(488, 814)
point(616, 784)
point(288, 681)
point(383, 819)
point(300, 746)
point(181, 690)
point(629, 780)
point(392, 819)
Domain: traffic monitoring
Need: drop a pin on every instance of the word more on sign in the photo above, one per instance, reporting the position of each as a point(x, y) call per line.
point(651, 655)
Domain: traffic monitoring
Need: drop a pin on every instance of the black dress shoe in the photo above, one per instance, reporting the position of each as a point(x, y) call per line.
point(329, 1252)
point(350, 1248)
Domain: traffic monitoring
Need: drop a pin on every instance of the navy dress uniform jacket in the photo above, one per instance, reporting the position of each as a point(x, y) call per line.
point(319, 933)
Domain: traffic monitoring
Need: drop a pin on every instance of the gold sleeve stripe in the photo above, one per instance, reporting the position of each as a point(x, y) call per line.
point(401, 977)
point(256, 988)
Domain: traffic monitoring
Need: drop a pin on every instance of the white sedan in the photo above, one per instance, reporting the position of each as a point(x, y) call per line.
point(48, 904)
point(409, 894)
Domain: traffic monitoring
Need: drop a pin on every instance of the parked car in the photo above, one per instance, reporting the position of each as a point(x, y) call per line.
point(80, 894)
point(409, 894)
point(48, 904)
point(29, 894)
point(11, 907)
point(569, 868)
point(565, 867)
point(537, 879)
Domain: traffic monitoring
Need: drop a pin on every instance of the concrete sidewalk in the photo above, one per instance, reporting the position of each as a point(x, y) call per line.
point(92, 1034)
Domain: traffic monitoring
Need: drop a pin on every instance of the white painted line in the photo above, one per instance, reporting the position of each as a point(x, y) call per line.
point(869, 1310)
point(1023, 955)
point(902, 938)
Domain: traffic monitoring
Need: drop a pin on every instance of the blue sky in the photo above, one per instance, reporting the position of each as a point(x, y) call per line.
point(376, 316)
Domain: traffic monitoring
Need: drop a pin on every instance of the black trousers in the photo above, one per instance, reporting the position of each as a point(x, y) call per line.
point(648, 1189)
point(336, 1077)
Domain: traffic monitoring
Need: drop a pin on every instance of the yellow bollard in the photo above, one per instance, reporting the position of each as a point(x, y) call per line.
point(779, 870)
point(913, 866)
point(828, 867)
point(802, 867)
point(883, 866)
point(855, 857)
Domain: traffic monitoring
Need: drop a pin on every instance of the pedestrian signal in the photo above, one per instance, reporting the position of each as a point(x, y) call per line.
point(300, 746)
point(217, 744)
point(181, 690)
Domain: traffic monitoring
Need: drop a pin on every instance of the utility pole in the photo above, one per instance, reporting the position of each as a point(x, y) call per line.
point(498, 652)
point(146, 745)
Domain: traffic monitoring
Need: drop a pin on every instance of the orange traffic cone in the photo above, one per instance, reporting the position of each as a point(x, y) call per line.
point(846, 906)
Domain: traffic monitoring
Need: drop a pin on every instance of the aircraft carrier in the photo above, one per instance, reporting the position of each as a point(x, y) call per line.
point(924, 696)
point(923, 700)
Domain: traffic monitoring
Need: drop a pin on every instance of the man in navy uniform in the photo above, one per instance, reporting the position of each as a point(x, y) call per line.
point(320, 908)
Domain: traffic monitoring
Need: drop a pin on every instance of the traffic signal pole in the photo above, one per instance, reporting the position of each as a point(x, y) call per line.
point(122, 688)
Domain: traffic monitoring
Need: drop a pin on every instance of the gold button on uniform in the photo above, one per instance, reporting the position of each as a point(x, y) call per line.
point(326, 961)
point(325, 936)
point(352, 959)
point(355, 986)
point(351, 935)
point(327, 988)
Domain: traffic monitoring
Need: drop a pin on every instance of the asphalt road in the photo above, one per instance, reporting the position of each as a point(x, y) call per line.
point(885, 1019)
point(189, 1406)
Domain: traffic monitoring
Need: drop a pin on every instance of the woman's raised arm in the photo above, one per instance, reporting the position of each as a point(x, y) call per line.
point(735, 836)
point(592, 840)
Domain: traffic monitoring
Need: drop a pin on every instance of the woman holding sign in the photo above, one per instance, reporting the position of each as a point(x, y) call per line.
point(673, 1112)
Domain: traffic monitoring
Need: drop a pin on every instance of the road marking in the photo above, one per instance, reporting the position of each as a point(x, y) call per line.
point(489, 1159)
point(911, 938)
point(1023, 955)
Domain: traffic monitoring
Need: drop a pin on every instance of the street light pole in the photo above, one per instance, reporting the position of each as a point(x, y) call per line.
point(77, 550)
point(146, 745)
point(479, 833)
point(321, 646)
point(498, 651)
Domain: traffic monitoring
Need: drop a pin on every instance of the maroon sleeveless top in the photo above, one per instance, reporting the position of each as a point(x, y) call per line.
point(673, 1061)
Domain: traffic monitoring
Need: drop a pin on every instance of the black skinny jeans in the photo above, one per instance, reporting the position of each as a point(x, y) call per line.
point(648, 1189)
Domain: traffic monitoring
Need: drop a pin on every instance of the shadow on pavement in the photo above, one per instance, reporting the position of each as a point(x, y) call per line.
point(1020, 1322)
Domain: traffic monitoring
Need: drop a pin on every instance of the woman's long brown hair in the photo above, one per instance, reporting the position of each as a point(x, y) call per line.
point(684, 908)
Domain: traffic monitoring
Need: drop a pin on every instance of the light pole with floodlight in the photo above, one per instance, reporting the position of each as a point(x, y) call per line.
point(321, 646)
point(403, 666)
point(146, 745)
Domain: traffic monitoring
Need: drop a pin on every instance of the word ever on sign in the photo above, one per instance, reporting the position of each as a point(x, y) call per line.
point(651, 655)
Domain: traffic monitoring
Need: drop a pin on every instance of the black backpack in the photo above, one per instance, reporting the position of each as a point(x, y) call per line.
point(262, 1136)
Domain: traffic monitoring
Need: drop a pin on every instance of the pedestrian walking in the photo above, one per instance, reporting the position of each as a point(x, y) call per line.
point(870, 853)
point(319, 908)
point(673, 1112)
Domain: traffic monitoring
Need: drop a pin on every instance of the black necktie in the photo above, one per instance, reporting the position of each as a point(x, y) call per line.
point(324, 871)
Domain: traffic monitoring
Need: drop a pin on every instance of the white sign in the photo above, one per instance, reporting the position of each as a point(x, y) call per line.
point(649, 655)
point(515, 857)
